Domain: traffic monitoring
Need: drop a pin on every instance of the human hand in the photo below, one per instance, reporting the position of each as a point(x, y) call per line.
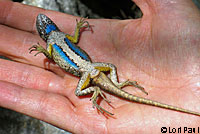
point(160, 51)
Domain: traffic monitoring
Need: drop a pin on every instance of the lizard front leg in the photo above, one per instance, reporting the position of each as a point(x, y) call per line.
point(47, 52)
point(113, 76)
point(83, 89)
point(79, 25)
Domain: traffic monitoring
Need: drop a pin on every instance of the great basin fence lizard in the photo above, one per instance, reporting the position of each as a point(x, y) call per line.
point(71, 58)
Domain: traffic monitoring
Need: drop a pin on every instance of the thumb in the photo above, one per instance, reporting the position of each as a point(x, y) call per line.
point(168, 7)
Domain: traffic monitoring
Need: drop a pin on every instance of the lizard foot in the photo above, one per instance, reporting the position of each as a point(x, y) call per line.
point(38, 48)
point(94, 98)
point(132, 83)
point(80, 24)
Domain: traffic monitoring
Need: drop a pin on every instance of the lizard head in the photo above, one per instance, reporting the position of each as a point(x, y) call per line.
point(45, 26)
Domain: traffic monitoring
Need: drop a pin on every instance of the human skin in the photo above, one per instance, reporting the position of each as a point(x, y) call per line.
point(160, 50)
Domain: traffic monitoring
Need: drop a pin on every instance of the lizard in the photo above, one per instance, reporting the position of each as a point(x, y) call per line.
point(62, 49)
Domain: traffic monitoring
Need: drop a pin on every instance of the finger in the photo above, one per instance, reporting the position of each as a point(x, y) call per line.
point(26, 20)
point(44, 106)
point(51, 108)
point(15, 43)
point(10, 13)
point(37, 78)
point(155, 7)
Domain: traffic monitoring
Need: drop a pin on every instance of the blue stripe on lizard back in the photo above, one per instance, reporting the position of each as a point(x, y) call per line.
point(76, 50)
point(64, 56)
point(50, 28)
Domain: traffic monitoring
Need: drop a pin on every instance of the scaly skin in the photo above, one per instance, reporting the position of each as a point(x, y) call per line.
point(60, 48)
point(105, 83)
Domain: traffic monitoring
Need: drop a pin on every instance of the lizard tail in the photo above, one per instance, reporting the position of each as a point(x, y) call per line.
point(105, 83)
point(128, 96)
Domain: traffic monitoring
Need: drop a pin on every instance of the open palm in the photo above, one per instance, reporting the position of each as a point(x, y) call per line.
point(160, 51)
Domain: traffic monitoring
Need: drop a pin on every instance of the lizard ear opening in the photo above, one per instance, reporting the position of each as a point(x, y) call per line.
point(45, 26)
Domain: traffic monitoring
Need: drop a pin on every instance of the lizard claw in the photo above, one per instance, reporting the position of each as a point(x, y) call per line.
point(80, 24)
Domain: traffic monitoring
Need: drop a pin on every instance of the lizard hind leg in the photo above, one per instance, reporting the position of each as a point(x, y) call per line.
point(104, 67)
point(83, 89)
